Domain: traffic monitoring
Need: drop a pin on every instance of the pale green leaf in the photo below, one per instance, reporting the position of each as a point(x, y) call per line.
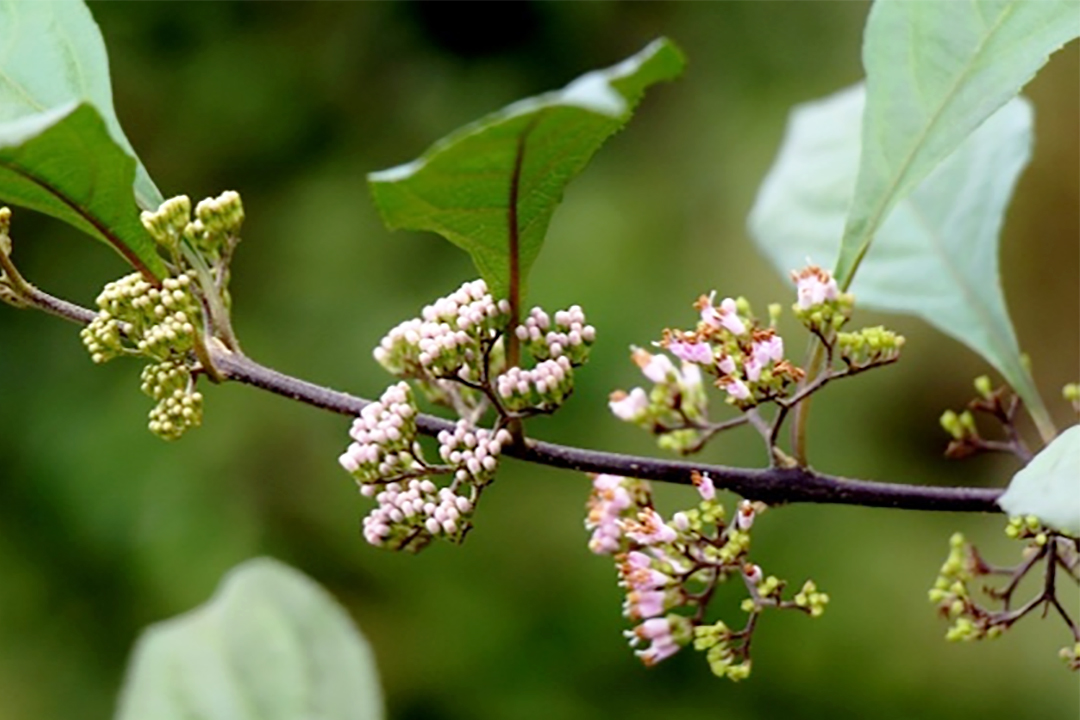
point(461, 187)
point(936, 256)
point(270, 645)
point(935, 71)
point(63, 162)
point(52, 55)
point(1048, 487)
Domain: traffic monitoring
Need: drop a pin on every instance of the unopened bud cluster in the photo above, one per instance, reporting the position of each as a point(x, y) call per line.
point(954, 590)
point(384, 438)
point(216, 224)
point(953, 597)
point(670, 567)
point(473, 451)
point(179, 406)
point(458, 340)
point(569, 336)
point(388, 464)
point(544, 387)
point(162, 321)
point(409, 515)
point(455, 352)
point(869, 346)
point(449, 339)
point(138, 318)
point(159, 323)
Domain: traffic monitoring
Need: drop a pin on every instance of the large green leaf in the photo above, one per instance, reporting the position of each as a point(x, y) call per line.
point(63, 162)
point(52, 55)
point(935, 71)
point(270, 645)
point(461, 187)
point(1049, 486)
point(936, 256)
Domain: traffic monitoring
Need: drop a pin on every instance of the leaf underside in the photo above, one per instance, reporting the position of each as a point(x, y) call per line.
point(270, 645)
point(936, 256)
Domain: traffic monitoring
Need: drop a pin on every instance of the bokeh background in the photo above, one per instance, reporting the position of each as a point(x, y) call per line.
point(104, 528)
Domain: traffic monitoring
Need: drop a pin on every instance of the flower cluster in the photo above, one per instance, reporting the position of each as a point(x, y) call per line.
point(212, 233)
point(158, 323)
point(138, 318)
point(473, 451)
point(675, 405)
point(409, 516)
point(455, 351)
point(569, 337)
point(744, 357)
point(179, 404)
point(869, 346)
point(451, 337)
point(820, 305)
point(955, 598)
point(384, 438)
point(387, 462)
point(670, 568)
point(545, 387)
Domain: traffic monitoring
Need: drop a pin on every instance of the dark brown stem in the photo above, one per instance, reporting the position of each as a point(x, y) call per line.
point(774, 486)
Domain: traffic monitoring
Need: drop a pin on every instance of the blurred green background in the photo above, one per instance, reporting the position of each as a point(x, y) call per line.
point(104, 528)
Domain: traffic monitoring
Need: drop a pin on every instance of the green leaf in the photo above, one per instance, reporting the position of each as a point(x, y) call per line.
point(1048, 487)
point(461, 187)
point(936, 256)
point(63, 162)
point(935, 71)
point(52, 55)
point(270, 645)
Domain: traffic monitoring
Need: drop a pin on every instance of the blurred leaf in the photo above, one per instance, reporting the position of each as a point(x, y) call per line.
point(64, 163)
point(52, 55)
point(935, 71)
point(270, 645)
point(1048, 487)
point(936, 256)
point(461, 187)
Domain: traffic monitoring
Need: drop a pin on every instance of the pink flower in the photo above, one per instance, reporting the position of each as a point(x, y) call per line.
point(649, 528)
point(753, 368)
point(663, 646)
point(752, 573)
point(655, 367)
point(736, 388)
point(726, 365)
point(725, 316)
point(729, 317)
point(629, 407)
point(814, 286)
point(608, 500)
point(745, 517)
point(704, 485)
point(642, 604)
point(691, 352)
point(768, 349)
point(637, 573)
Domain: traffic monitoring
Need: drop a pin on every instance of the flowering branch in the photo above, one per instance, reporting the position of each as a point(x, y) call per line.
point(774, 486)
